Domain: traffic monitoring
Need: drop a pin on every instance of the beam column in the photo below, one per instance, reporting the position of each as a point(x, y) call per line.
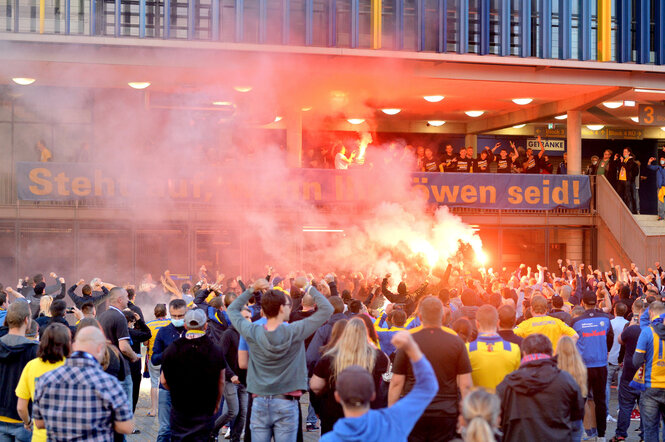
point(574, 142)
point(471, 140)
point(293, 122)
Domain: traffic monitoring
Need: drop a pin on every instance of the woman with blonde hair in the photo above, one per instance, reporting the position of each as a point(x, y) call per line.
point(570, 360)
point(352, 348)
point(44, 314)
point(480, 416)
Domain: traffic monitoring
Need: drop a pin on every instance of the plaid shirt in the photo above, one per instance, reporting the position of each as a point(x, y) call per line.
point(79, 401)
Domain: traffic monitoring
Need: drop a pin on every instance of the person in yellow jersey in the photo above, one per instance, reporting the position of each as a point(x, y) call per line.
point(491, 357)
point(54, 347)
point(154, 326)
point(541, 323)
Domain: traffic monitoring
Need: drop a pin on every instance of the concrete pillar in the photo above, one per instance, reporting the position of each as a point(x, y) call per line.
point(471, 140)
point(293, 123)
point(574, 142)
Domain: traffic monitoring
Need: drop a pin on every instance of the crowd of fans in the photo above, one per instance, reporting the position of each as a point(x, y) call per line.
point(468, 354)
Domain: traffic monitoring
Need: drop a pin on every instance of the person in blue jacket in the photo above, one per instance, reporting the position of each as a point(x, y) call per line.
point(595, 339)
point(660, 184)
point(355, 390)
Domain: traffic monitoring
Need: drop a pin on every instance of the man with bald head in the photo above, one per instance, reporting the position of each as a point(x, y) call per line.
point(78, 401)
point(114, 325)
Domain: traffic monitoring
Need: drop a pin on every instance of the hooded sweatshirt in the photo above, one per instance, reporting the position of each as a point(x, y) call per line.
point(539, 402)
point(394, 423)
point(277, 358)
point(15, 353)
point(649, 343)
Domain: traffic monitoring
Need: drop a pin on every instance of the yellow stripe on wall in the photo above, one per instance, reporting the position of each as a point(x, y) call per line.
point(604, 30)
point(376, 23)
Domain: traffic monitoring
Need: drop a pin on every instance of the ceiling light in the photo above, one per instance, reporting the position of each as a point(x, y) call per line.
point(629, 103)
point(436, 123)
point(522, 101)
point(662, 128)
point(356, 120)
point(519, 126)
point(613, 104)
point(650, 91)
point(433, 98)
point(221, 103)
point(23, 81)
point(138, 84)
point(278, 118)
point(561, 117)
point(594, 126)
point(243, 88)
point(474, 113)
point(391, 111)
point(635, 119)
point(306, 108)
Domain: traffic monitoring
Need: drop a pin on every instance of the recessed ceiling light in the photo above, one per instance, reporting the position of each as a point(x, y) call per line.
point(519, 126)
point(594, 126)
point(433, 98)
point(138, 84)
point(242, 88)
point(23, 81)
point(221, 103)
point(635, 119)
point(613, 104)
point(278, 118)
point(629, 103)
point(650, 91)
point(561, 117)
point(436, 123)
point(522, 101)
point(306, 108)
point(474, 113)
point(391, 111)
point(356, 120)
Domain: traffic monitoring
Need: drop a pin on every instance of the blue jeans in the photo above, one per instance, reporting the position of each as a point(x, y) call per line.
point(10, 432)
point(128, 386)
point(231, 406)
point(164, 416)
point(628, 397)
point(612, 370)
point(274, 417)
point(239, 423)
point(578, 429)
point(652, 405)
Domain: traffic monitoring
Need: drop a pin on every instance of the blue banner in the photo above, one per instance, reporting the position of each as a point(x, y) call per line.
point(76, 181)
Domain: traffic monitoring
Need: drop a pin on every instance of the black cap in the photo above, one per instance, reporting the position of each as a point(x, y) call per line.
point(589, 297)
point(355, 386)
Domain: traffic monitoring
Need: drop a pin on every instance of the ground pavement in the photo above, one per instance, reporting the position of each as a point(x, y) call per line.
point(149, 426)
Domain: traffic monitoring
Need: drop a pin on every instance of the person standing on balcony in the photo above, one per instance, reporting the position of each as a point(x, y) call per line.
point(562, 168)
point(660, 184)
point(341, 161)
point(607, 167)
point(45, 154)
point(628, 169)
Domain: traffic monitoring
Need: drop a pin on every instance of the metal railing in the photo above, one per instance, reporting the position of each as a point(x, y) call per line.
point(641, 248)
point(583, 30)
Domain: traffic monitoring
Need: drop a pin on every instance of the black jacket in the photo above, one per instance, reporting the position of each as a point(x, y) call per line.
point(321, 338)
point(539, 402)
point(230, 340)
point(402, 296)
point(59, 320)
point(12, 362)
point(80, 300)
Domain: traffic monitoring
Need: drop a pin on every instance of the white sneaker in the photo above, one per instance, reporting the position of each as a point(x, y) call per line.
point(600, 439)
point(610, 418)
point(227, 435)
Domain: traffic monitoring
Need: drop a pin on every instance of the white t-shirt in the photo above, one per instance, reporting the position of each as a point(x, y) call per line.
point(618, 325)
point(341, 162)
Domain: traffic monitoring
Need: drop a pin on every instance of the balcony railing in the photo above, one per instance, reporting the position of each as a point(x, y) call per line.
point(564, 29)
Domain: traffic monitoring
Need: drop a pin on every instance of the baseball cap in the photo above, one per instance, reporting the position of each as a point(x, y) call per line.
point(355, 386)
point(277, 280)
point(195, 318)
point(589, 297)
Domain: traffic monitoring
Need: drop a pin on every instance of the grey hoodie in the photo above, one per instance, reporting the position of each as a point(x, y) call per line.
point(277, 358)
